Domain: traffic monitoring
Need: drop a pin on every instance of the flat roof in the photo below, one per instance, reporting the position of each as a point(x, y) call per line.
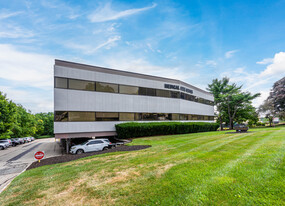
point(75, 65)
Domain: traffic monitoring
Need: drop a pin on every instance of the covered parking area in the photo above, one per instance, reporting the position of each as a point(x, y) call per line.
point(69, 139)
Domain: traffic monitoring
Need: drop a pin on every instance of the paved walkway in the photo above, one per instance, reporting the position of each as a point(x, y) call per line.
point(15, 160)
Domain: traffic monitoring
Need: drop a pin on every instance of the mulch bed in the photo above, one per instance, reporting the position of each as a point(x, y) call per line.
point(70, 157)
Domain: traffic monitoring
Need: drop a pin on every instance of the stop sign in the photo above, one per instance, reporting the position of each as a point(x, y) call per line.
point(39, 155)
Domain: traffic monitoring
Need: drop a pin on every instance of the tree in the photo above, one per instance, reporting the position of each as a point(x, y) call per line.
point(230, 100)
point(237, 101)
point(218, 88)
point(7, 116)
point(268, 109)
point(277, 98)
point(45, 123)
point(248, 113)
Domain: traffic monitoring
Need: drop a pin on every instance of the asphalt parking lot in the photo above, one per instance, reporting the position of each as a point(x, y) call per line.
point(14, 160)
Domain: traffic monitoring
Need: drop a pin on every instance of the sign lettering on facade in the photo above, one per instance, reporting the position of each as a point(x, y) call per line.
point(171, 86)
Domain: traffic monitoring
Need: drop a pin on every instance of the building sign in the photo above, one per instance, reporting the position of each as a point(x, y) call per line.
point(171, 86)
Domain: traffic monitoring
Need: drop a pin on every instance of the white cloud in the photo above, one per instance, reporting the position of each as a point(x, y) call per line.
point(88, 49)
point(34, 101)
point(262, 81)
point(140, 65)
point(277, 67)
point(26, 68)
point(211, 63)
point(230, 54)
point(12, 31)
point(265, 61)
point(5, 14)
point(106, 13)
point(259, 100)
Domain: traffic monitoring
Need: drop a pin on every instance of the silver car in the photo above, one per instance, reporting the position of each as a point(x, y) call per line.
point(3, 146)
point(90, 146)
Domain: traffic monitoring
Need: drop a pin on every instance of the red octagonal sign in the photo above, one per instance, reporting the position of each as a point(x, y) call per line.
point(39, 155)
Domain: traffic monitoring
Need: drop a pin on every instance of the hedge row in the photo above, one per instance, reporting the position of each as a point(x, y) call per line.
point(135, 129)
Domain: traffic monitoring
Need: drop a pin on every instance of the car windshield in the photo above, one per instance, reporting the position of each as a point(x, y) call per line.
point(106, 140)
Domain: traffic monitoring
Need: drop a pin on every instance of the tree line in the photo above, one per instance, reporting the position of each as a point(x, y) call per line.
point(274, 105)
point(16, 121)
point(233, 105)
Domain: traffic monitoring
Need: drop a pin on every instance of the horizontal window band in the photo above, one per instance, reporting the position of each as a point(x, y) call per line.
point(84, 85)
point(76, 116)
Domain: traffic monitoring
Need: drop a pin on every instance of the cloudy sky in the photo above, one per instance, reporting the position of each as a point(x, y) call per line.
point(194, 41)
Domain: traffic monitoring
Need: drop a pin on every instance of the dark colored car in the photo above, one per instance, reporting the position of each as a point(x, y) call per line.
point(240, 128)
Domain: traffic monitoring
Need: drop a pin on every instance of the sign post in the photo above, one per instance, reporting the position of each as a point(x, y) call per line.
point(39, 155)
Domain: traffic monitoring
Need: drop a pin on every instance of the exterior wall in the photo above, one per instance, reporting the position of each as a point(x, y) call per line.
point(77, 100)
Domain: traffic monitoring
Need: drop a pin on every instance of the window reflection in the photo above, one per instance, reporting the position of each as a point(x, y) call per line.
point(60, 82)
point(81, 85)
point(106, 87)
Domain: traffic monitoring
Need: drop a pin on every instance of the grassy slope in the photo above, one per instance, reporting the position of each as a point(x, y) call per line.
point(212, 168)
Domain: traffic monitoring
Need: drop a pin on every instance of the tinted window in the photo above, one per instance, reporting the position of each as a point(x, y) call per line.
point(106, 87)
point(61, 116)
point(174, 116)
point(150, 92)
point(81, 116)
point(183, 117)
point(107, 116)
point(81, 85)
point(163, 93)
point(142, 91)
point(128, 90)
point(138, 116)
point(127, 116)
point(60, 82)
point(149, 116)
point(163, 116)
point(98, 142)
point(175, 94)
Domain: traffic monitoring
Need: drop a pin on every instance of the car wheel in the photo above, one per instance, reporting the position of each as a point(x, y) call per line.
point(80, 151)
point(1, 148)
point(105, 148)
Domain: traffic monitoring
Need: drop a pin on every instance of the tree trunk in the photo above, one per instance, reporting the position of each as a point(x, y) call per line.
point(221, 124)
point(231, 123)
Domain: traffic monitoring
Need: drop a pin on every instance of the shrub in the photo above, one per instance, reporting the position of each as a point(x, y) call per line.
point(135, 129)
point(260, 124)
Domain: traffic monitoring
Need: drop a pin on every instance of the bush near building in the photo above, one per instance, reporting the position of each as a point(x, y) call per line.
point(134, 129)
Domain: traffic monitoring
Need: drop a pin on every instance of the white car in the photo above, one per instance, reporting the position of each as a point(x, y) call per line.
point(91, 146)
point(3, 146)
point(6, 142)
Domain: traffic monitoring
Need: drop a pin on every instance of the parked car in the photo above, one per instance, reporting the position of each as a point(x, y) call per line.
point(3, 146)
point(27, 139)
point(7, 142)
point(240, 128)
point(14, 142)
point(91, 146)
point(20, 140)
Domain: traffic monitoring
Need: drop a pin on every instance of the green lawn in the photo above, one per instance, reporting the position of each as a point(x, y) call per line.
point(212, 168)
point(45, 136)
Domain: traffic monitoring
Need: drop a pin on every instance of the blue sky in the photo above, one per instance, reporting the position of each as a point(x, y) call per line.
point(195, 41)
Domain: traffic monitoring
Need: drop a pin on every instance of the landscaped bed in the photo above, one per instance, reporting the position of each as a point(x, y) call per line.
point(70, 157)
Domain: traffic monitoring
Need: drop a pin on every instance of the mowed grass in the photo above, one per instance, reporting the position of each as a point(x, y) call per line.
point(214, 168)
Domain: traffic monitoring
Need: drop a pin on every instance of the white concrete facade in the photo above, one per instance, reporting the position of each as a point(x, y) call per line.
point(92, 101)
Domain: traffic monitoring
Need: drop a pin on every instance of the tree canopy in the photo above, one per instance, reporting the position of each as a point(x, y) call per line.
point(232, 104)
point(274, 105)
point(16, 121)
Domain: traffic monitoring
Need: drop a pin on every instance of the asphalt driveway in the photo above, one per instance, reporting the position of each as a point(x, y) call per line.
point(14, 160)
